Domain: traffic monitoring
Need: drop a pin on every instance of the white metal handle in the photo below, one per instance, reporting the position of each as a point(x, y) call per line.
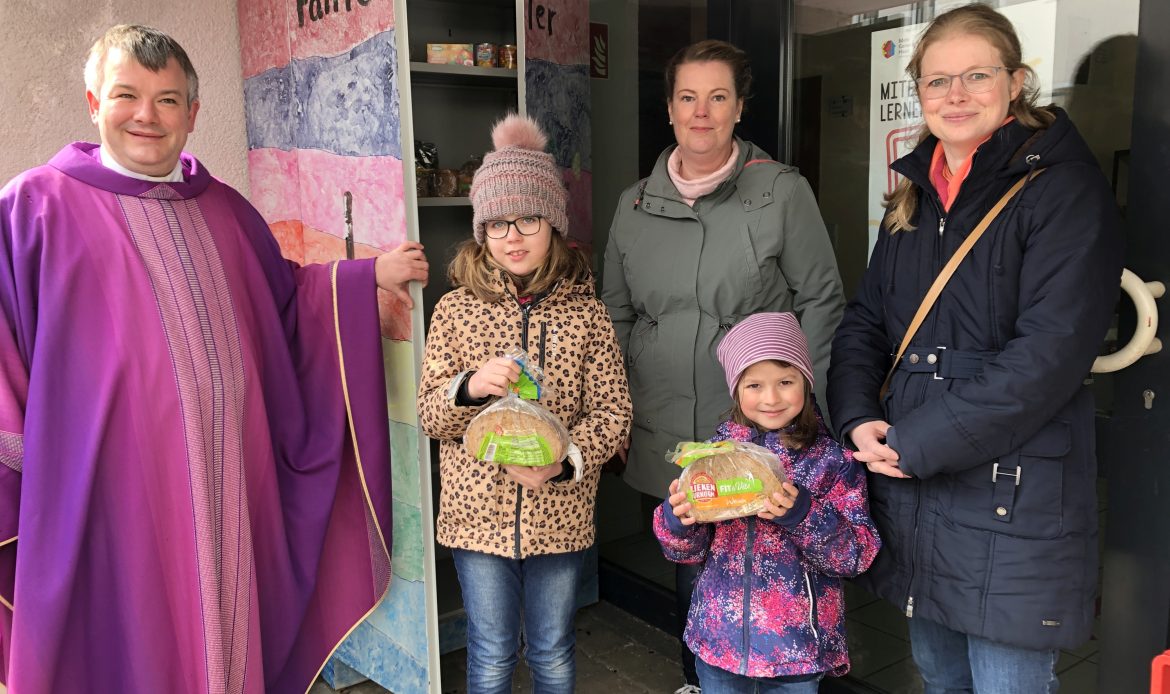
point(1144, 339)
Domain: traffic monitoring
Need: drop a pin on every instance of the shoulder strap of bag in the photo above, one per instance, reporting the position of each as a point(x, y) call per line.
point(944, 276)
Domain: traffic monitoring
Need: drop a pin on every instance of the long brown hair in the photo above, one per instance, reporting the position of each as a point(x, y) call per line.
point(804, 427)
point(473, 267)
point(971, 20)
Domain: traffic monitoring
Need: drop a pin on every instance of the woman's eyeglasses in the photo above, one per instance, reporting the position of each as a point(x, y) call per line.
point(977, 80)
point(498, 228)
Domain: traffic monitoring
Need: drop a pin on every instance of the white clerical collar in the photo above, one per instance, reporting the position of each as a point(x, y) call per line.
point(175, 176)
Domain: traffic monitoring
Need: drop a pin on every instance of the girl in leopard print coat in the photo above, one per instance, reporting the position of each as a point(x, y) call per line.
point(518, 534)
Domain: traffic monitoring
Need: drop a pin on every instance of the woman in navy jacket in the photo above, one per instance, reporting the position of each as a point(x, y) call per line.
point(982, 474)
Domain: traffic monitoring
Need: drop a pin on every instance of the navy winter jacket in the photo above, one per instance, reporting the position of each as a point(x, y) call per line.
point(996, 533)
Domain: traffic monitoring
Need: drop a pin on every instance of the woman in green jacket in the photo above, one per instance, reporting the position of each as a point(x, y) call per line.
point(719, 231)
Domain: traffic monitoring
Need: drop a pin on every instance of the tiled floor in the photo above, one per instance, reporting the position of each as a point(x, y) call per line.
point(619, 654)
point(879, 644)
point(616, 654)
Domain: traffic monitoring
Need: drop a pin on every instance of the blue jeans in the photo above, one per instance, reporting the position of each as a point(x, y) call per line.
point(503, 596)
point(955, 663)
point(715, 680)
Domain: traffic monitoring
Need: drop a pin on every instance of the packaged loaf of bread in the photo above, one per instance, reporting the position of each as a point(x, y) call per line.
point(726, 479)
point(516, 429)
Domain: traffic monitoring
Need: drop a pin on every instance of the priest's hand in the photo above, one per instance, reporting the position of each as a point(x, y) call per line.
point(396, 269)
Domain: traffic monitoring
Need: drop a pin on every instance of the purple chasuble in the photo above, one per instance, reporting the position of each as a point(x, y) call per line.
point(194, 454)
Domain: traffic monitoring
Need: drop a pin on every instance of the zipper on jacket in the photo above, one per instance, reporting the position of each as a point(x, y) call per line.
point(812, 610)
point(519, 501)
point(942, 223)
point(748, 549)
point(913, 550)
point(543, 326)
point(525, 310)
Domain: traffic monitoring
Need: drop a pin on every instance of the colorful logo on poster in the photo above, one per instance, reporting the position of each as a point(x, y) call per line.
point(889, 48)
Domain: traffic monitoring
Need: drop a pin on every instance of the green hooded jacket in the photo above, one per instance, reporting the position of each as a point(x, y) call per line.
point(677, 277)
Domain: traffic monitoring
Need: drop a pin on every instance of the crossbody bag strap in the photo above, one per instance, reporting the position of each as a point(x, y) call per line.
point(944, 276)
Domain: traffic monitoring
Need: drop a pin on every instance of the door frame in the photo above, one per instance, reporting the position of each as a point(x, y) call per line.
point(1135, 598)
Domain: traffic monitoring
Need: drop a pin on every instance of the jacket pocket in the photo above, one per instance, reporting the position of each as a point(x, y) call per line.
point(1021, 494)
point(752, 275)
point(643, 334)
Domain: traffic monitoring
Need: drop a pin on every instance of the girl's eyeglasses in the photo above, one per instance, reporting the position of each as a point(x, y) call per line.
point(498, 228)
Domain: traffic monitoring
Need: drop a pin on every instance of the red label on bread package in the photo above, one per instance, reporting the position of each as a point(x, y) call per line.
point(703, 489)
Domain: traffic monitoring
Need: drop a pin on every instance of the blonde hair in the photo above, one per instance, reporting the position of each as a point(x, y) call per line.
point(804, 426)
point(473, 267)
point(971, 20)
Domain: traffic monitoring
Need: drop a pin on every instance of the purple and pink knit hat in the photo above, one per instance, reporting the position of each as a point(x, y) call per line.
point(760, 337)
point(519, 177)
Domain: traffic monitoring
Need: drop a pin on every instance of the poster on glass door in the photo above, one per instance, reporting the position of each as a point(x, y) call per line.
point(895, 116)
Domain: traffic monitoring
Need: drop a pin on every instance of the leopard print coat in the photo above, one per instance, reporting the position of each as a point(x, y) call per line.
point(570, 334)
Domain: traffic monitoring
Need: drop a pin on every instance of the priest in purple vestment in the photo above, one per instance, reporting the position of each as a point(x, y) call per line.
point(194, 456)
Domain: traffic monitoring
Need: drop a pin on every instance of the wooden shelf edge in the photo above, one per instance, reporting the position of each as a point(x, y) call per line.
point(437, 71)
point(444, 202)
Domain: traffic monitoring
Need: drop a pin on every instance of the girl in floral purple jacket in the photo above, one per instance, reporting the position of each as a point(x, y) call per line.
point(768, 608)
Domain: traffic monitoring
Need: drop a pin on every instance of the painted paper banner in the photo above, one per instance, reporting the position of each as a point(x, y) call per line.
point(345, 104)
point(556, 78)
point(277, 32)
point(322, 114)
point(557, 31)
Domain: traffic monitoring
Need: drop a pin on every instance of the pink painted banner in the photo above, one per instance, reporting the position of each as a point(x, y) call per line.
point(557, 31)
point(265, 42)
point(278, 31)
point(308, 186)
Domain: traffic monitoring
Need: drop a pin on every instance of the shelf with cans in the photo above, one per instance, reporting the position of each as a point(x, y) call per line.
point(463, 62)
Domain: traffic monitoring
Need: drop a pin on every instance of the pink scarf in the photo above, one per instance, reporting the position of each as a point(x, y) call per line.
point(695, 188)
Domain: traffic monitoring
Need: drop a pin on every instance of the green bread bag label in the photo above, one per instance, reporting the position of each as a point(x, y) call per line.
point(697, 450)
point(528, 450)
point(526, 388)
point(739, 485)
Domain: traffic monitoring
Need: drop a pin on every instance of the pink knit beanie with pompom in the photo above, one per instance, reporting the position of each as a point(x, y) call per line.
point(519, 178)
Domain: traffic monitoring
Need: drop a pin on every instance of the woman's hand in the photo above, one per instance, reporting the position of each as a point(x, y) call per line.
point(679, 504)
point(780, 502)
point(870, 439)
point(533, 477)
point(493, 378)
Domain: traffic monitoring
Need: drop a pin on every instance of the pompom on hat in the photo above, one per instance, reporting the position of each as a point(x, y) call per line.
point(760, 337)
point(518, 177)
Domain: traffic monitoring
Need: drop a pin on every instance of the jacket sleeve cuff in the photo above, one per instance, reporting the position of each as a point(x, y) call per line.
point(892, 442)
point(673, 522)
point(573, 466)
point(846, 431)
point(797, 513)
point(462, 398)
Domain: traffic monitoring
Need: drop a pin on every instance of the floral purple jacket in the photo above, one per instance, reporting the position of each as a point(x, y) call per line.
point(769, 600)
